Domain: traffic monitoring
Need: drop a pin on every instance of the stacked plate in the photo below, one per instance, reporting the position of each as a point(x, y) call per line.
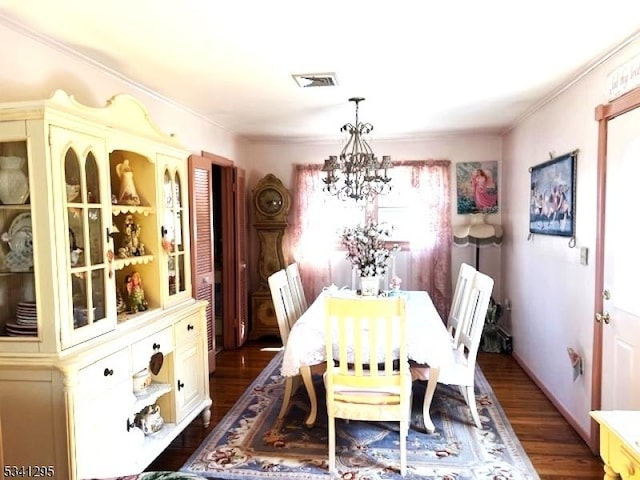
point(26, 321)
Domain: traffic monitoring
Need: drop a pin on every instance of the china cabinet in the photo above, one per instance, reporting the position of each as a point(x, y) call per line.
point(95, 288)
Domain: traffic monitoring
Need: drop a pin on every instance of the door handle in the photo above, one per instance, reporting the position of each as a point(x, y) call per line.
point(603, 317)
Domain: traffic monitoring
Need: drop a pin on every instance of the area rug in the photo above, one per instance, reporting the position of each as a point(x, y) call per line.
point(250, 442)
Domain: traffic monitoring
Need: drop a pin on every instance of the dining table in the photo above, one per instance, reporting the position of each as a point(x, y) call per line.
point(428, 343)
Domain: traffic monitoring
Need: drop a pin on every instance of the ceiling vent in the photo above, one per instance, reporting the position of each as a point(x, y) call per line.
point(306, 80)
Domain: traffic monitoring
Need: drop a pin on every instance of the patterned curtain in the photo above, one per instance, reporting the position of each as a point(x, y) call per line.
point(319, 218)
point(318, 221)
point(430, 253)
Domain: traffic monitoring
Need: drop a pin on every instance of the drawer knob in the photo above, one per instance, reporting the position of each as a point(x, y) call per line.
point(108, 372)
point(180, 385)
point(156, 346)
point(189, 327)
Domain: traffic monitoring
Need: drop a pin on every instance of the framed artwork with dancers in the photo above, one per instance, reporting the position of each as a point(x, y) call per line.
point(477, 187)
point(552, 205)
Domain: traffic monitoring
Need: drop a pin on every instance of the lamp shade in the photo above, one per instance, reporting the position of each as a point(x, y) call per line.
point(478, 233)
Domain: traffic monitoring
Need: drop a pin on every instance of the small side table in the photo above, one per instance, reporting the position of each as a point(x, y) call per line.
point(619, 443)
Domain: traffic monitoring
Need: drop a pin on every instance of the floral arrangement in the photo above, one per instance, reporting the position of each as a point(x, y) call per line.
point(366, 248)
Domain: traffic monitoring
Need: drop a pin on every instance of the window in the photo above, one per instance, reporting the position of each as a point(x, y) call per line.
point(417, 189)
point(418, 207)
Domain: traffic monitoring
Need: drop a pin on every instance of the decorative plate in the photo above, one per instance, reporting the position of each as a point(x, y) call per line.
point(20, 235)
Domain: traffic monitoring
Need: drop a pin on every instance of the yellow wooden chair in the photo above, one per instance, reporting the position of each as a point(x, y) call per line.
point(367, 375)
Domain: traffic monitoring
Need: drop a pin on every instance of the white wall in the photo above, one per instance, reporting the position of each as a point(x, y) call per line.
point(33, 70)
point(551, 292)
point(280, 158)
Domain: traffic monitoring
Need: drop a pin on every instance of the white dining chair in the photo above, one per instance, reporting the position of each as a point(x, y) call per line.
point(462, 371)
point(460, 300)
point(364, 379)
point(282, 303)
point(286, 317)
point(297, 290)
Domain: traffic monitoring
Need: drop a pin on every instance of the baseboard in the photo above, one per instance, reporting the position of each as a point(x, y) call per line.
point(567, 416)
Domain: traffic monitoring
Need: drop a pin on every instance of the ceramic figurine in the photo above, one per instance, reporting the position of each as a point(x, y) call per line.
point(135, 294)
point(128, 193)
point(121, 307)
point(149, 419)
point(131, 245)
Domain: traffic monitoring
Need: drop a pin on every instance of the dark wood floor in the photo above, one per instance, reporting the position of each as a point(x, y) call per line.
point(555, 449)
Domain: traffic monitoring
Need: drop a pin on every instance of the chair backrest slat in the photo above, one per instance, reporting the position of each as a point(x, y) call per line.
point(364, 337)
point(297, 289)
point(460, 300)
point(282, 303)
point(474, 316)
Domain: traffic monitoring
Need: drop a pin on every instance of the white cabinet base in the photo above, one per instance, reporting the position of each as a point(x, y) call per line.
point(77, 414)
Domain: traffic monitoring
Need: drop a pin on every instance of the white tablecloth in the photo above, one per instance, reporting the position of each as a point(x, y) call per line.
point(427, 338)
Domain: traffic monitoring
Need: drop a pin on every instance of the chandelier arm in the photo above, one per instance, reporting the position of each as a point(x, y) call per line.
point(363, 176)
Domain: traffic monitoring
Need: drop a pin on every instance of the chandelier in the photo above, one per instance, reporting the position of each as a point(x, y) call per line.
point(363, 176)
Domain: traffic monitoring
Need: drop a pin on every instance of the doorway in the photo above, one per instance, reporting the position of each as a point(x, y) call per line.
point(216, 204)
point(219, 269)
point(616, 338)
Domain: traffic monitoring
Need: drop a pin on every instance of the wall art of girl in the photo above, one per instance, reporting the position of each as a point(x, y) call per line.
point(477, 187)
point(484, 190)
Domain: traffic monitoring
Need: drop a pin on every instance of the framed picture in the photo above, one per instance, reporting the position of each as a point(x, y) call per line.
point(477, 187)
point(552, 198)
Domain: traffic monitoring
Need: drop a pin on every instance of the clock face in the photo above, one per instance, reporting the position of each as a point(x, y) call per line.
point(270, 201)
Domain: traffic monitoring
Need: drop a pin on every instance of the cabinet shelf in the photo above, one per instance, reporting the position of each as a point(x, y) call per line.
point(155, 391)
point(22, 206)
point(120, 263)
point(120, 209)
point(5, 273)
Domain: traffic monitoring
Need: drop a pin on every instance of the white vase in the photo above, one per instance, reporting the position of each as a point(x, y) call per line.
point(14, 183)
point(369, 286)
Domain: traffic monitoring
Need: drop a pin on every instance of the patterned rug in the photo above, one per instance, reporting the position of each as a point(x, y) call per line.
point(250, 442)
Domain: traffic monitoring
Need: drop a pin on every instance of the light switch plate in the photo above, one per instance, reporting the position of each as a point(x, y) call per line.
point(584, 255)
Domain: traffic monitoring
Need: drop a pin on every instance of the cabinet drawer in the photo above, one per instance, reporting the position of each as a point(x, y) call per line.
point(188, 330)
point(623, 458)
point(104, 374)
point(141, 351)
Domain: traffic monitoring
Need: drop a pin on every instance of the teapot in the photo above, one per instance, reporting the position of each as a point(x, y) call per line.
point(149, 419)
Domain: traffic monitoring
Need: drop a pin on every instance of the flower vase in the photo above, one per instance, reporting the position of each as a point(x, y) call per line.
point(14, 183)
point(369, 286)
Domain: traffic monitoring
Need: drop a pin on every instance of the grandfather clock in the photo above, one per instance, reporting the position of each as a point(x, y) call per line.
point(271, 201)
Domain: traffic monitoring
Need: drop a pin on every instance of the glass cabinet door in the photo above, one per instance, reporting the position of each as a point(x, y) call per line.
point(85, 216)
point(86, 240)
point(18, 312)
point(173, 241)
point(88, 253)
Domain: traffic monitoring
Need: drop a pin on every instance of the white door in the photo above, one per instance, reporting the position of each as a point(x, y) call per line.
point(621, 329)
